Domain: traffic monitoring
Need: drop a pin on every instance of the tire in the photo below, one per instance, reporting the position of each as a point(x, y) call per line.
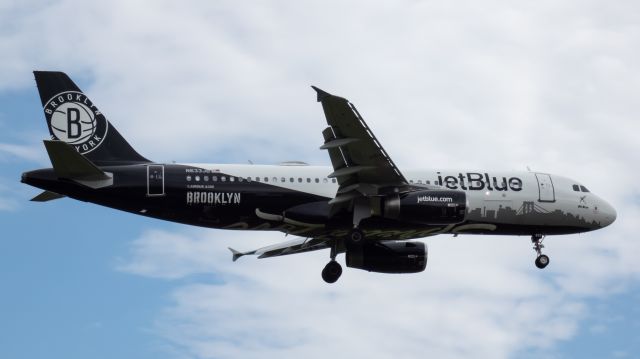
point(542, 261)
point(332, 272)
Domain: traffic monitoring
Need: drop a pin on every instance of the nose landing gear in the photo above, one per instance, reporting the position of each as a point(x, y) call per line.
point(542, 260)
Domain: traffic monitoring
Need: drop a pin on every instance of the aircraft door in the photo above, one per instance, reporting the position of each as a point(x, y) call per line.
point(155, 180)
point(545, 188)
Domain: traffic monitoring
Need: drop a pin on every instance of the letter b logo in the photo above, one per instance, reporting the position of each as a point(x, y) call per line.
point(73, 123)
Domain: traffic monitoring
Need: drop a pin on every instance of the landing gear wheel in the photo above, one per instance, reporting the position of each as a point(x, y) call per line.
point(356, 237)
point(542, 261)
point(331, 272)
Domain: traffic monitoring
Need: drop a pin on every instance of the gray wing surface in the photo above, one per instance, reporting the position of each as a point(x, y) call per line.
point(356, 154)
point(361, 165)
point(295, 246)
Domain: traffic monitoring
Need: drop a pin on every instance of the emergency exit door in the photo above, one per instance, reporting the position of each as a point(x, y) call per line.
point(155, 180)
point(545, 188)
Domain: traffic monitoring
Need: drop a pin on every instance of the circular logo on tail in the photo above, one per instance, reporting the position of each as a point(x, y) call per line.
point(74, 119)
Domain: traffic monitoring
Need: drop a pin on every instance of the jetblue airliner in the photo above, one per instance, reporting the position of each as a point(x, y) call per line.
point(362, 205)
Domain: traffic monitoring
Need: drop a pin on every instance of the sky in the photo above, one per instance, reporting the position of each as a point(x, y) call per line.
point(504, 85)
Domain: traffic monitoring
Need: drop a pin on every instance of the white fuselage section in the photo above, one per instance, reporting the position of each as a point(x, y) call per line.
point(493, 197)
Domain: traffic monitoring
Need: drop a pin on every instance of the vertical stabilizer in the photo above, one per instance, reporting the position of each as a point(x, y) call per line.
point(73, 118)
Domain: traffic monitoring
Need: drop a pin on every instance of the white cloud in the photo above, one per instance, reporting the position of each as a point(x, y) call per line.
point(31, 152)
point(480, 296)
point(168, 255)
point(205, 75)
point(477, 297)
point(552, 85)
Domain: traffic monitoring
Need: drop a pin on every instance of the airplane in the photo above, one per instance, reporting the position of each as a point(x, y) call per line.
point(362, 205)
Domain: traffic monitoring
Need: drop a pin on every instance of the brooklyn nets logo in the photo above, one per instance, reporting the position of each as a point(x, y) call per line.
point(74, 119)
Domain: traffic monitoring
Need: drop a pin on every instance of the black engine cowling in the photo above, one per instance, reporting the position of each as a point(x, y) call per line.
point(389, 257)
point(427, 207)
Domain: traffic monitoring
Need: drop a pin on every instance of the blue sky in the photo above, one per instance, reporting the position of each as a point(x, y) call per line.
point(548, 85)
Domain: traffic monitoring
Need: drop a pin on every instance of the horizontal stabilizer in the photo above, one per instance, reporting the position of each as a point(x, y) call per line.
point(47, 196)
point(69, 164)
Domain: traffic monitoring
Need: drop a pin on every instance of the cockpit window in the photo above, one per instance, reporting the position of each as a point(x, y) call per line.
point(576, 188)
point(584, 189)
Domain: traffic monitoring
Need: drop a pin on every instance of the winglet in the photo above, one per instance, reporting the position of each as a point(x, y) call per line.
point(235, 254)
point(321, 94)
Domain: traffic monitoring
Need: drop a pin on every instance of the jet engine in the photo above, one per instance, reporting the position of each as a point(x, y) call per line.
point(432, 207)
point(389, 257)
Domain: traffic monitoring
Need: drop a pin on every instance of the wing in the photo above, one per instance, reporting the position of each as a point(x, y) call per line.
point(295, 246)
point(364, 170)
point(360, 164)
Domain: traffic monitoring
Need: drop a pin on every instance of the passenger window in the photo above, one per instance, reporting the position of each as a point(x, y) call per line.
point(231, 179)
point(275, 179)
point(410, 181)
point(317, 180)
point(214, 178)
point(188, 178)
point(291, 179)
point(299, 179)
point(576, 188)
point(249, 179)
point(324, 180)
point(419, 181)
point(240, 179)
point(266, 179)
point(584, 189)
point(333, 180)
point(308, 180)
point(283, 179)
point(223, 179)
point(428, 182)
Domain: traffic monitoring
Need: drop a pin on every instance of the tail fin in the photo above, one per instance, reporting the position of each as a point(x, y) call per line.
point(73, 118)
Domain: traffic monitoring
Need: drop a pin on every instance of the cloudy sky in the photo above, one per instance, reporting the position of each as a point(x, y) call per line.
point(552, 85)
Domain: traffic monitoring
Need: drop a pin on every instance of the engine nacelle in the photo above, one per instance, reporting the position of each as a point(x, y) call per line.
point(389, 257)
point(427, 207)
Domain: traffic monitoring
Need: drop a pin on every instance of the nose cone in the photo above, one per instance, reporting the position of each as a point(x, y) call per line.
point(607, 214)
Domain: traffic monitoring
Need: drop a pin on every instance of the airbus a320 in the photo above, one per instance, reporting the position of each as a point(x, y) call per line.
point(363, 205)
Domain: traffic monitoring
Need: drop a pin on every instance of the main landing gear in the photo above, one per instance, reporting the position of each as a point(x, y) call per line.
point(333, 270)
point(542, 260)
point(355, 237)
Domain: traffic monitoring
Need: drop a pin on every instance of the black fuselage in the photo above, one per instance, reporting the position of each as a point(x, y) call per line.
point(171, 192)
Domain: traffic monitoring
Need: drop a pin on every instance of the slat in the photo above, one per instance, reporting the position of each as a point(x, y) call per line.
point(338, 142)
point(345, 171)
point(341, 198)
